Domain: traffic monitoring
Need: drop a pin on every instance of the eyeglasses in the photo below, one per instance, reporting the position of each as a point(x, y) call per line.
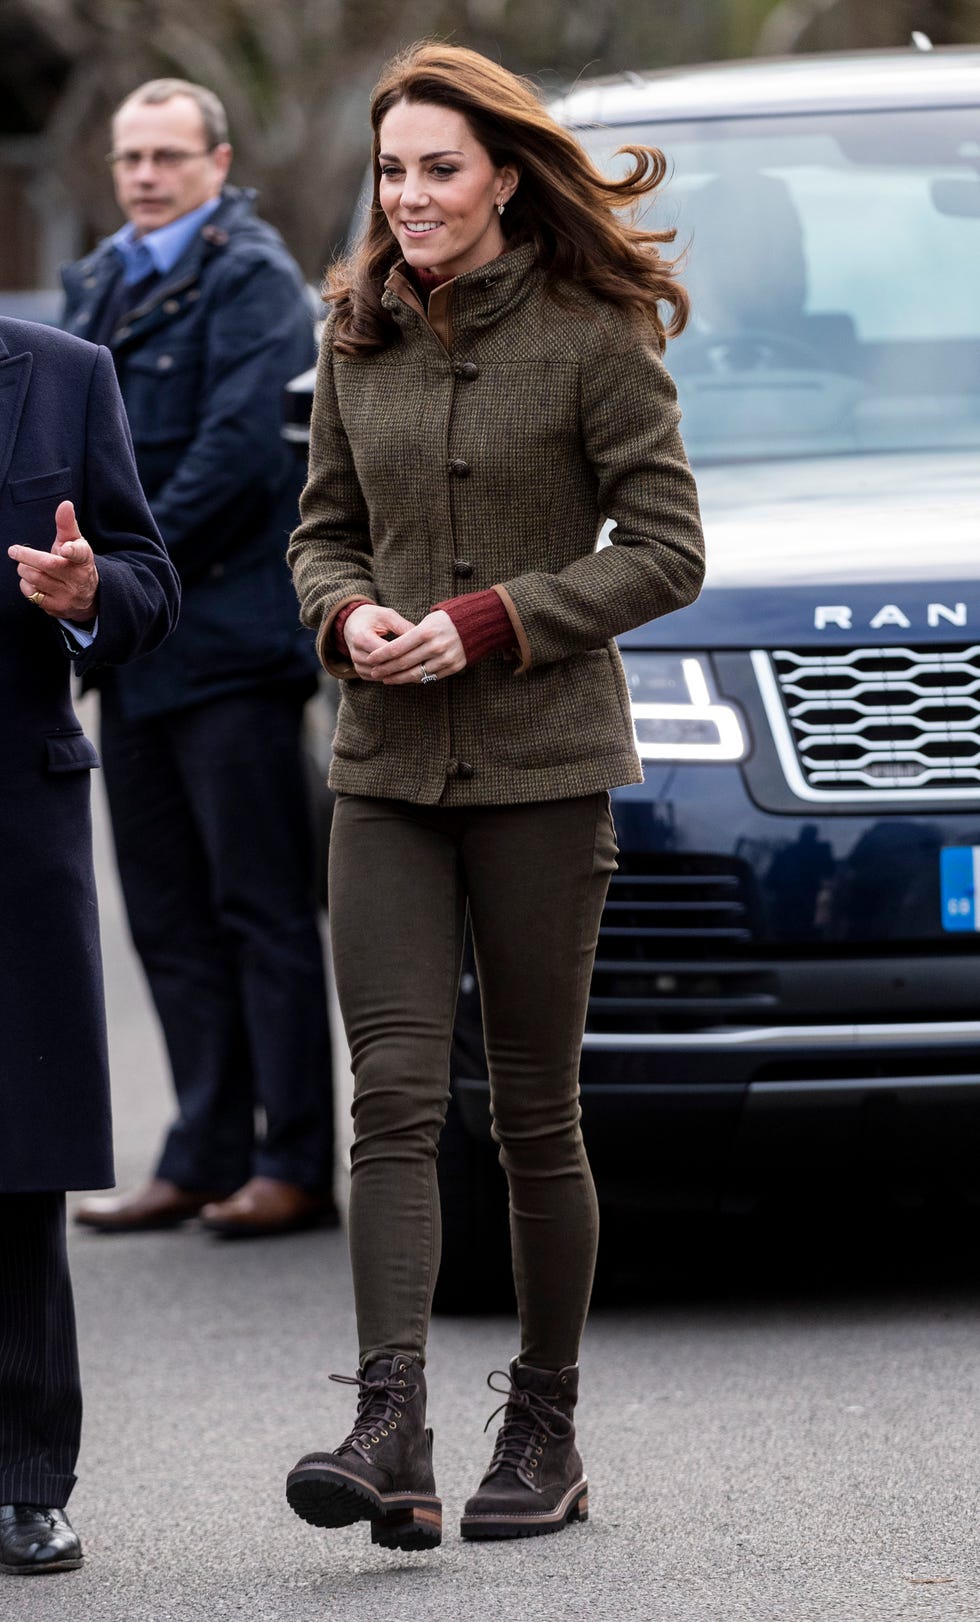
point(162, 157)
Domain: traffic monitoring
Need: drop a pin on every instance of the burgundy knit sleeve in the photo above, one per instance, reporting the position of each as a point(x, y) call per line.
point(337, 637)
point(482, 622)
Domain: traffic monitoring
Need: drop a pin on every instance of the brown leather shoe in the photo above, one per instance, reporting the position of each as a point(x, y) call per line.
point(157, 1204)
point(267, 1206)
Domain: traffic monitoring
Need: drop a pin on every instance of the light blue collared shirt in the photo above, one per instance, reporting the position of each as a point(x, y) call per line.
point(82, 639)
point(159, 250)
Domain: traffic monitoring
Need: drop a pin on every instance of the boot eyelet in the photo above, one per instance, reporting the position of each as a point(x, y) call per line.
point(374, 1438)
point(393, 1426)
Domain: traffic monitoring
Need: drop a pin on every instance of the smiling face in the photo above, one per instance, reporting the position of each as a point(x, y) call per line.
point(151, 193)
point(439, 189)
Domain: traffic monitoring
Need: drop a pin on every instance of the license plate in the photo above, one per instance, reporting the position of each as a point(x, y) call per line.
point(959, 871)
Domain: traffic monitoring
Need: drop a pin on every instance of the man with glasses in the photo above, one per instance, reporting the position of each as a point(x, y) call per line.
point(207, 318)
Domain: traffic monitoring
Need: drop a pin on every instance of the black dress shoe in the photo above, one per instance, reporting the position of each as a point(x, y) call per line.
point(33, 1540)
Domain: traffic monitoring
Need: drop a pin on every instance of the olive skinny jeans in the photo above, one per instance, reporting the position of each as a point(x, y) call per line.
point(534, 879)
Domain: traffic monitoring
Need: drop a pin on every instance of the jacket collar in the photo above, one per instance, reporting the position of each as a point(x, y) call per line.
point(102, 265)
point(468, 303)
point(98, 272)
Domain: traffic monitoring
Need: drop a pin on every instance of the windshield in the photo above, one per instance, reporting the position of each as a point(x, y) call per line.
point(834, 271)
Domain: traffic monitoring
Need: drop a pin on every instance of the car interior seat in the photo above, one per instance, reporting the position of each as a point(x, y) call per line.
point(746, 273)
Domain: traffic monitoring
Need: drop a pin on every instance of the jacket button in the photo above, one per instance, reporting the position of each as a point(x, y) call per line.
point(164, 362)
point(452, 768)
point(468, 371)
point(460, 468)
point(171, 306)
point(463, 567)
point(465, 770)
point(90, 281)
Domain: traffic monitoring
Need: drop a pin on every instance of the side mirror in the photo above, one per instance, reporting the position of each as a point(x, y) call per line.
point(297, 406)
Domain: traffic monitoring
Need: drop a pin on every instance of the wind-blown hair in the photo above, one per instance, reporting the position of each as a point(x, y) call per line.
point(563, 204)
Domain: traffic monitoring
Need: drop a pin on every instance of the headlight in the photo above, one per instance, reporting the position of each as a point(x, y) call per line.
point(676, 714)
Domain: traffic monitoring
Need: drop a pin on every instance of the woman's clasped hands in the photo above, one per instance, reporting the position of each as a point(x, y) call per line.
point(384, 646)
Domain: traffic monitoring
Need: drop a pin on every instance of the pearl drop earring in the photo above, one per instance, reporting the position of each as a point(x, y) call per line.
point(500, 208)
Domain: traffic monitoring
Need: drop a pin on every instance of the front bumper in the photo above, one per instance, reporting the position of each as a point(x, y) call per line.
point(754, 1016)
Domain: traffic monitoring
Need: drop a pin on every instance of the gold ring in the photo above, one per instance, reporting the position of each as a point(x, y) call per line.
point(37, 597)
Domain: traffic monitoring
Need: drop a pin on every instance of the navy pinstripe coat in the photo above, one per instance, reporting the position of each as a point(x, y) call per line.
point(63, 436)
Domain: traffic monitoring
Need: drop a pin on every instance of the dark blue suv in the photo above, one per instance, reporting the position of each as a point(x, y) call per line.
point(788, 974)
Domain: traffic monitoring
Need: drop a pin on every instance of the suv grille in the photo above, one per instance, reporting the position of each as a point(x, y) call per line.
point(672, 942)
point(884, 719)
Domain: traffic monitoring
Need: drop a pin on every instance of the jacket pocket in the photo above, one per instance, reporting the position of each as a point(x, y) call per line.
point(162, 394)
point(559, 713)
point(360, 724)
point(42, 487)
point(71, 752)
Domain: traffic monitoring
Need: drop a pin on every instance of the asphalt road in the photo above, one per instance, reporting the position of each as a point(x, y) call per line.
point(789, 1436)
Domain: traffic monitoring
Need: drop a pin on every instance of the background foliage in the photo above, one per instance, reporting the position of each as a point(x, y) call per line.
point(296, 75)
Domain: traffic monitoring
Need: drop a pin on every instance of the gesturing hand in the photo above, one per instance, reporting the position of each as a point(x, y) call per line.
point(63, 582)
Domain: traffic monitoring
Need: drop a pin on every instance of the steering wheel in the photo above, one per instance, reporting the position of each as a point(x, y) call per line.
point(750, 349)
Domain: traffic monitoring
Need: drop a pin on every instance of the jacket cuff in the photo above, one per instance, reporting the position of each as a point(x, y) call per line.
point(481, 621)
point(517, 629)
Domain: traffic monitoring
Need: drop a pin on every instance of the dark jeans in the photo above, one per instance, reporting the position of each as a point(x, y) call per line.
point(211, 821)
point(40, 1391)
point(534, 878)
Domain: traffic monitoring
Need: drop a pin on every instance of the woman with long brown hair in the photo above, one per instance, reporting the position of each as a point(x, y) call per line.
point(490, 389)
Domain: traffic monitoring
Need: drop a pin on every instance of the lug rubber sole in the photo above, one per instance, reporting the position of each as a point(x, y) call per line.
point(325, 1495)
point(574, 1506)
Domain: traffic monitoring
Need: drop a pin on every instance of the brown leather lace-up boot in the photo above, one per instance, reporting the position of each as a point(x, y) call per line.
point(535, 1482)
point(382, 1471)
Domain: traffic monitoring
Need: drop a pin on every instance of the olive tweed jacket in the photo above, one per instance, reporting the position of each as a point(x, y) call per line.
point(490, 456)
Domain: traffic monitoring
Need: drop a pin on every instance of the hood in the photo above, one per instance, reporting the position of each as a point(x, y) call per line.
point(857, 548)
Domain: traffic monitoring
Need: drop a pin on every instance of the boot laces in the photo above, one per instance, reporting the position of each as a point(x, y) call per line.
point(529, 1419)
point(379, 1402)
